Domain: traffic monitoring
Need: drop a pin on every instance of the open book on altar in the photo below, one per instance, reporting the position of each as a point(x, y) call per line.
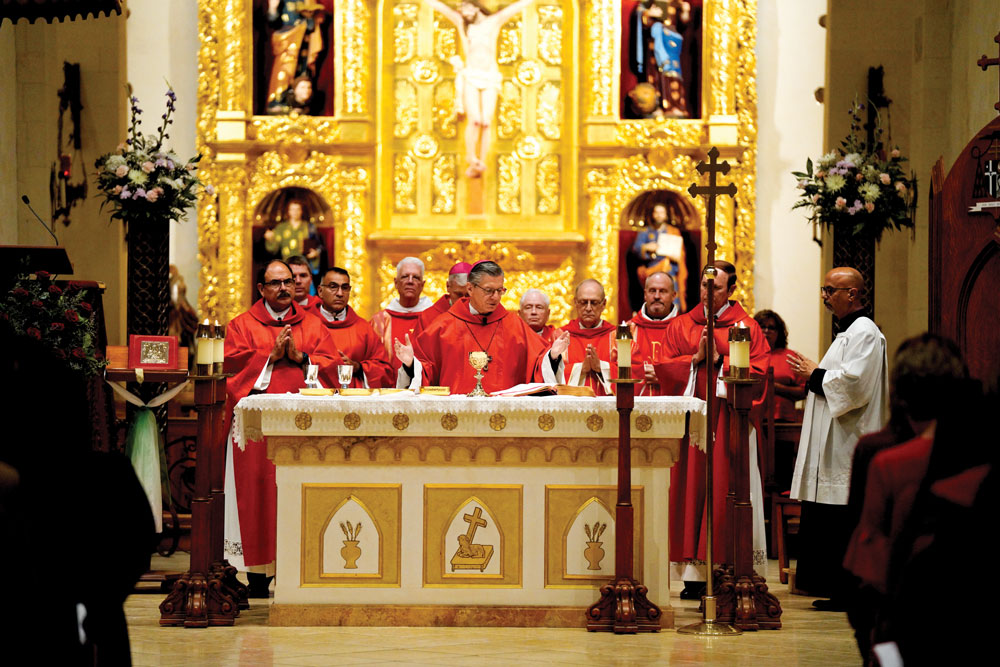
point(544, 389)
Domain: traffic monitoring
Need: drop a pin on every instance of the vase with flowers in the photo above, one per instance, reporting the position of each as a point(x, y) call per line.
point(146, 186)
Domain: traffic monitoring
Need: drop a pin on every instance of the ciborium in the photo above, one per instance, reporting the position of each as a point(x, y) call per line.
point(478, 360)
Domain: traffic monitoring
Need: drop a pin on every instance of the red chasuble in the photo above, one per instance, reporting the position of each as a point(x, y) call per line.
point(390, 326)
point(547, 334)
point(440, 307)
point(687, 477)
point(601, 337)
point(647, 347)
point(249, 340)
point(312, 301)
point(356, 338)
point(443, 348)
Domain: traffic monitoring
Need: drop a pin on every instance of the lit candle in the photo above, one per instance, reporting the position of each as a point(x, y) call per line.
point(219, 355)
point(623, 343)
point(205, 348)
point(739, 351)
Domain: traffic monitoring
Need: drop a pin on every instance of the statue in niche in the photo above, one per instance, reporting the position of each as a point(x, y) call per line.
point(477, 78)
point(297, 46)
point(661, 42)
point(295, 236)
point(660, 247)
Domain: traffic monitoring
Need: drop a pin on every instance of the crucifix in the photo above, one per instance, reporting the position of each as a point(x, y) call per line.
point(713, 168)
point(985, 63)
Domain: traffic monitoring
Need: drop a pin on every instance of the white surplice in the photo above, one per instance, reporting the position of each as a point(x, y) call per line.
point(856, 388)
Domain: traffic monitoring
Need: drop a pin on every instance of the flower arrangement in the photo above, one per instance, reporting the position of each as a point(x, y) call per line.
point(143, 181)
point(58, 317)
point(855, 188)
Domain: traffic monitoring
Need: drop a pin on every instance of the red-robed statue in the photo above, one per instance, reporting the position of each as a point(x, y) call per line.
point(440, 355)
point(685, 366)
point(268, 350)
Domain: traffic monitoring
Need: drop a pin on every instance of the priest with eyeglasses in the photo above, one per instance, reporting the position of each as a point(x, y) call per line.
point(479, 323)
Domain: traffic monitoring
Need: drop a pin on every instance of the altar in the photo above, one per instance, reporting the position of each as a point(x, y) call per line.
point(427, 510)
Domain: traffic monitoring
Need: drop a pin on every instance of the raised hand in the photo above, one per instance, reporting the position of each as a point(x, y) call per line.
point(559, 345)
point(404, 352)
point(802, 366)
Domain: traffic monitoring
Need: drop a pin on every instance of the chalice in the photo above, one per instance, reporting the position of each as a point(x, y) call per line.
point(478, 360)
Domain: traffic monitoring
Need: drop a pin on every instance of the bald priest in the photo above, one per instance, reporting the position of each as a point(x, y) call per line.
point(440, 355)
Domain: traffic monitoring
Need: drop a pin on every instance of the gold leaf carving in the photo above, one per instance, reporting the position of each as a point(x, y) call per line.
point(443, 181)
point(425, 70)
point(529, 72)
point(449, 421)
point(547, 184)
point(406, 109)
point(404, 32)
point(546, 422)
point(550, 34)
point(303, 420)
point(356, 30)
point(549, 112)
point(352, 420)
point(643, 423)
point(400, 421)
point(295, 129)
point(595, 422)
point(445, 38)
point(444, 109)
point(529, 148)
point(424, 146)
point(497, 421)
point(404, 184)
point(508, 183)
point(509, 42)
point(509, 112)
point(600, 20)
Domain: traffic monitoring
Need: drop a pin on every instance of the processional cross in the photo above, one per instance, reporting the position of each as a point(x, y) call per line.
point(985, 63)
point(713, 168)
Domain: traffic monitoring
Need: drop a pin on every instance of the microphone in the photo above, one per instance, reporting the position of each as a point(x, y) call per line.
point(27, 203)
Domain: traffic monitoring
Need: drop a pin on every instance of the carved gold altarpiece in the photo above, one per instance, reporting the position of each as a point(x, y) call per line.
point(390, 162)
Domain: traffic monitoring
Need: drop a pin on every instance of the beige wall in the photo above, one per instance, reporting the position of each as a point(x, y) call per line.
point(940, 100)
point(95, 247)
point(790, 66)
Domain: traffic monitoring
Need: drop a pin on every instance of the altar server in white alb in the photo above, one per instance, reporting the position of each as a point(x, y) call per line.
point(848, 397)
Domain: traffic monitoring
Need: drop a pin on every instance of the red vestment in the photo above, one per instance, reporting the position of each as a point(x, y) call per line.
point(443, 349)
point(440, 307)
point(391, 325)
point(356, 338)
point(647, 347)
point(687, 477)
point(602, 337)
point(784, 408)
point(547, 334)
point(249, 341)
point(312, 301)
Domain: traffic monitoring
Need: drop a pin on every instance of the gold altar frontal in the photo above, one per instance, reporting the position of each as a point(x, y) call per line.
point(381, 160)
point(412, 510)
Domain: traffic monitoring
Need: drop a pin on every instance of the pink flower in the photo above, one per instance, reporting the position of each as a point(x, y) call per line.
point(859, 176)
point(840, 203)
point(885, 178)
point(117, 190)
point(869, 206)
point(152, 195)
point(820, 174)
point(148, 166)
point(816, 198)
point(900, 187)
point(895, 152)
point(121, 172)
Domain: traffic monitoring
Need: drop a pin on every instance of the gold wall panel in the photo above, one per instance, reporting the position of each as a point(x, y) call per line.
point(562, 505)
point(564, 164)
point(442, 503)
point(382, 503)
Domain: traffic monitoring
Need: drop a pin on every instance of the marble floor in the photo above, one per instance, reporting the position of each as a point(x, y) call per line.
point(808, 638)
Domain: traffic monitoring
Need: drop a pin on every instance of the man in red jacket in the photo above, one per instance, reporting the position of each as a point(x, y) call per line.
point(269, 349)
point(357, 342)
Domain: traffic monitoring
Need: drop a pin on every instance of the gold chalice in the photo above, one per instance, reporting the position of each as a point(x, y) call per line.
point(478, 360)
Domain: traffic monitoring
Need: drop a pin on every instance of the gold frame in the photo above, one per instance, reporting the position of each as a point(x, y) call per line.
point(613, 160)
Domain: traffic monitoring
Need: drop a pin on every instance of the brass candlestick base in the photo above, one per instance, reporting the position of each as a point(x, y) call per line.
point(478, 360)
point(709, 626)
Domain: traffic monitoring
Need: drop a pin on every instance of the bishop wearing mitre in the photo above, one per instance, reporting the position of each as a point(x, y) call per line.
point(478, 323)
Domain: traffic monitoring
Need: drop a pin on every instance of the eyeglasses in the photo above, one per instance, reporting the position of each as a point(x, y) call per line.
point(499, 291)
point(287, 282)
point(593, 303)
point(826, 290)
point(334, 287)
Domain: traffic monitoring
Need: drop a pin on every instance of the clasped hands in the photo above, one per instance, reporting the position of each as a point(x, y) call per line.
point(700, 354)
point(284, 346)
point(404, 351)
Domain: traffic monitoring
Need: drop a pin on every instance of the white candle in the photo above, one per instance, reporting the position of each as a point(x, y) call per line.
point(739, 354)
point(624, 352)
